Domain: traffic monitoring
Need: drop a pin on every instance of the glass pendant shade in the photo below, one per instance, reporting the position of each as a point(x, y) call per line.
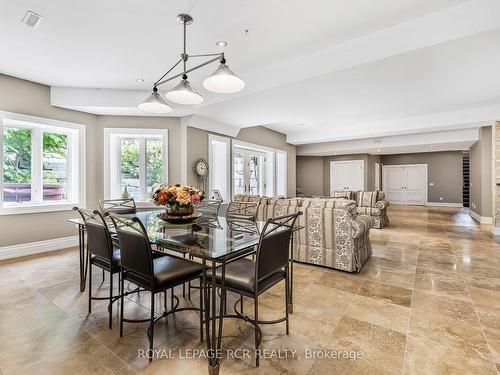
point(155, 104)
point(223, 81)
point(183, 93)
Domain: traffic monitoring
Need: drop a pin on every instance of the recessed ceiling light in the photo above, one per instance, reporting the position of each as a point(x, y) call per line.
point(221, 43)
point(301, 124)
point(139, 80)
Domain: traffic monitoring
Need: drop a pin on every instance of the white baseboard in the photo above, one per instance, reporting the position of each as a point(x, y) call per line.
point(443, 204)
point(30, 248)
point(479, 218)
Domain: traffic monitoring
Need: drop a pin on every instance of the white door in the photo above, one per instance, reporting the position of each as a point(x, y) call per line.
point(249, 172)
point(377, 176)
point(393, 184)
point(416, 184)
point(405, 184)
point(346, 175)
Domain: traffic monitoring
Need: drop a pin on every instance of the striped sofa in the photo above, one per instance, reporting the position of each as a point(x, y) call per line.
point(333, 235)
point(371, 203)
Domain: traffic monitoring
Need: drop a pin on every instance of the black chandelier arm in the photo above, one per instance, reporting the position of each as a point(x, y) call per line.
point(187, 71)
point(220, 54)
point(163, 76)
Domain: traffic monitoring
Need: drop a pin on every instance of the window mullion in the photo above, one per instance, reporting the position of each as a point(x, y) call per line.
point(142, 169)
point(36, 165)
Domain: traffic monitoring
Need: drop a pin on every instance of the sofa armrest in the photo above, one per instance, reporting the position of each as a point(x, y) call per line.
point(382, 204)
point(361, 224)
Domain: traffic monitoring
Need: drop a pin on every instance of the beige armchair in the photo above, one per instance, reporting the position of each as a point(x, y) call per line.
point(373, 204)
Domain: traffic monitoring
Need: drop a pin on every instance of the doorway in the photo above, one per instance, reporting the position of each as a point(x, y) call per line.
point(405, 184)
point(249, 172)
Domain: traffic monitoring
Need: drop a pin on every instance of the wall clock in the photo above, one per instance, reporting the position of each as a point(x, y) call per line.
point(200, 169)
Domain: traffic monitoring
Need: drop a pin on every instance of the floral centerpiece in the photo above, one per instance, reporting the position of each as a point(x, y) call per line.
point(177, 199)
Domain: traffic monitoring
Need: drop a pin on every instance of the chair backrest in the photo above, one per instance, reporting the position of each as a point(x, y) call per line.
point(136, 254)
point(118, 206)
point(242, 210)
point(273, 250)
point(209, 206)
point(99, 240)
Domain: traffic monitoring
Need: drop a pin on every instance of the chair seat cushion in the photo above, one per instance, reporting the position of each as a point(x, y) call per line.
point(168, 271)
point(373, 211)
point(240, 275)
point(104, 263)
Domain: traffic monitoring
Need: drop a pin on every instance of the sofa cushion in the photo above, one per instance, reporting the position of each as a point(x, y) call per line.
point(342, 194)
point(373, 211)
point(366, 198)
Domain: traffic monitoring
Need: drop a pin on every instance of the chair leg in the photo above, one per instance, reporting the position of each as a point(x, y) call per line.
point(152, 325)
point(287, 297)
point(256, 315)
point(110, 306)
point(90, 287)
point(241, 304)
point(122, 301)
point(103, 278)
point(201, 311)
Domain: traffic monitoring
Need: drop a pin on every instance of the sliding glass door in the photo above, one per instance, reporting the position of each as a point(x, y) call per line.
point(249, 172)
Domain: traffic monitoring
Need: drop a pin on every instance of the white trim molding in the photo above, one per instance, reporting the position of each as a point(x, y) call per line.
point(444, 204)
point(31, 248)
point(479, 218)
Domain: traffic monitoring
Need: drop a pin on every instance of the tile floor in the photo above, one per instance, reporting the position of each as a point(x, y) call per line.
point(427, 302)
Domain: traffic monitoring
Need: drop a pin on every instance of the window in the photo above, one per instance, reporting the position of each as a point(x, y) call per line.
point(281, 172)
point(135, 161)
point(41, 163)
point(219, 164)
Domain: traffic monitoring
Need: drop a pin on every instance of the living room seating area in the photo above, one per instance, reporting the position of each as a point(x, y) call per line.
point(333, 234)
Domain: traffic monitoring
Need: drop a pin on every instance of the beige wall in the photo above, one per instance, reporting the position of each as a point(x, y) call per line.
point(198, 148)
point(33, 99)
point(310, 175)
point(25, 97)
point(313, 172)
point(370, 171)
point(481, 182)
point(444, 170)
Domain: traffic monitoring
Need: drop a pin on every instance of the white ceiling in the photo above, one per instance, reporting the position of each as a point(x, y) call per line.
point(344, 69)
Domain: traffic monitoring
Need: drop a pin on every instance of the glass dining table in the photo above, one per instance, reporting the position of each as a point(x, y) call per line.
point(214, 241)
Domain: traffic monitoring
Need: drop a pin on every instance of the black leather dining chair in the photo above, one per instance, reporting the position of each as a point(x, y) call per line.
point(252, 278)
point(103, 252)
point(151, 270)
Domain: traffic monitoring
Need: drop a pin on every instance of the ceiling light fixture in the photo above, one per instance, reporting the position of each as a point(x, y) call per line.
point(139, 80)
point(223, 80)
point(221, 43)
point(155, 104)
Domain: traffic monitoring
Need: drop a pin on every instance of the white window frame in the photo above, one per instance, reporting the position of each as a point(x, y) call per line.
point(112, 157)
point(76, 166)
point(228, 166)
point(284, 155)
